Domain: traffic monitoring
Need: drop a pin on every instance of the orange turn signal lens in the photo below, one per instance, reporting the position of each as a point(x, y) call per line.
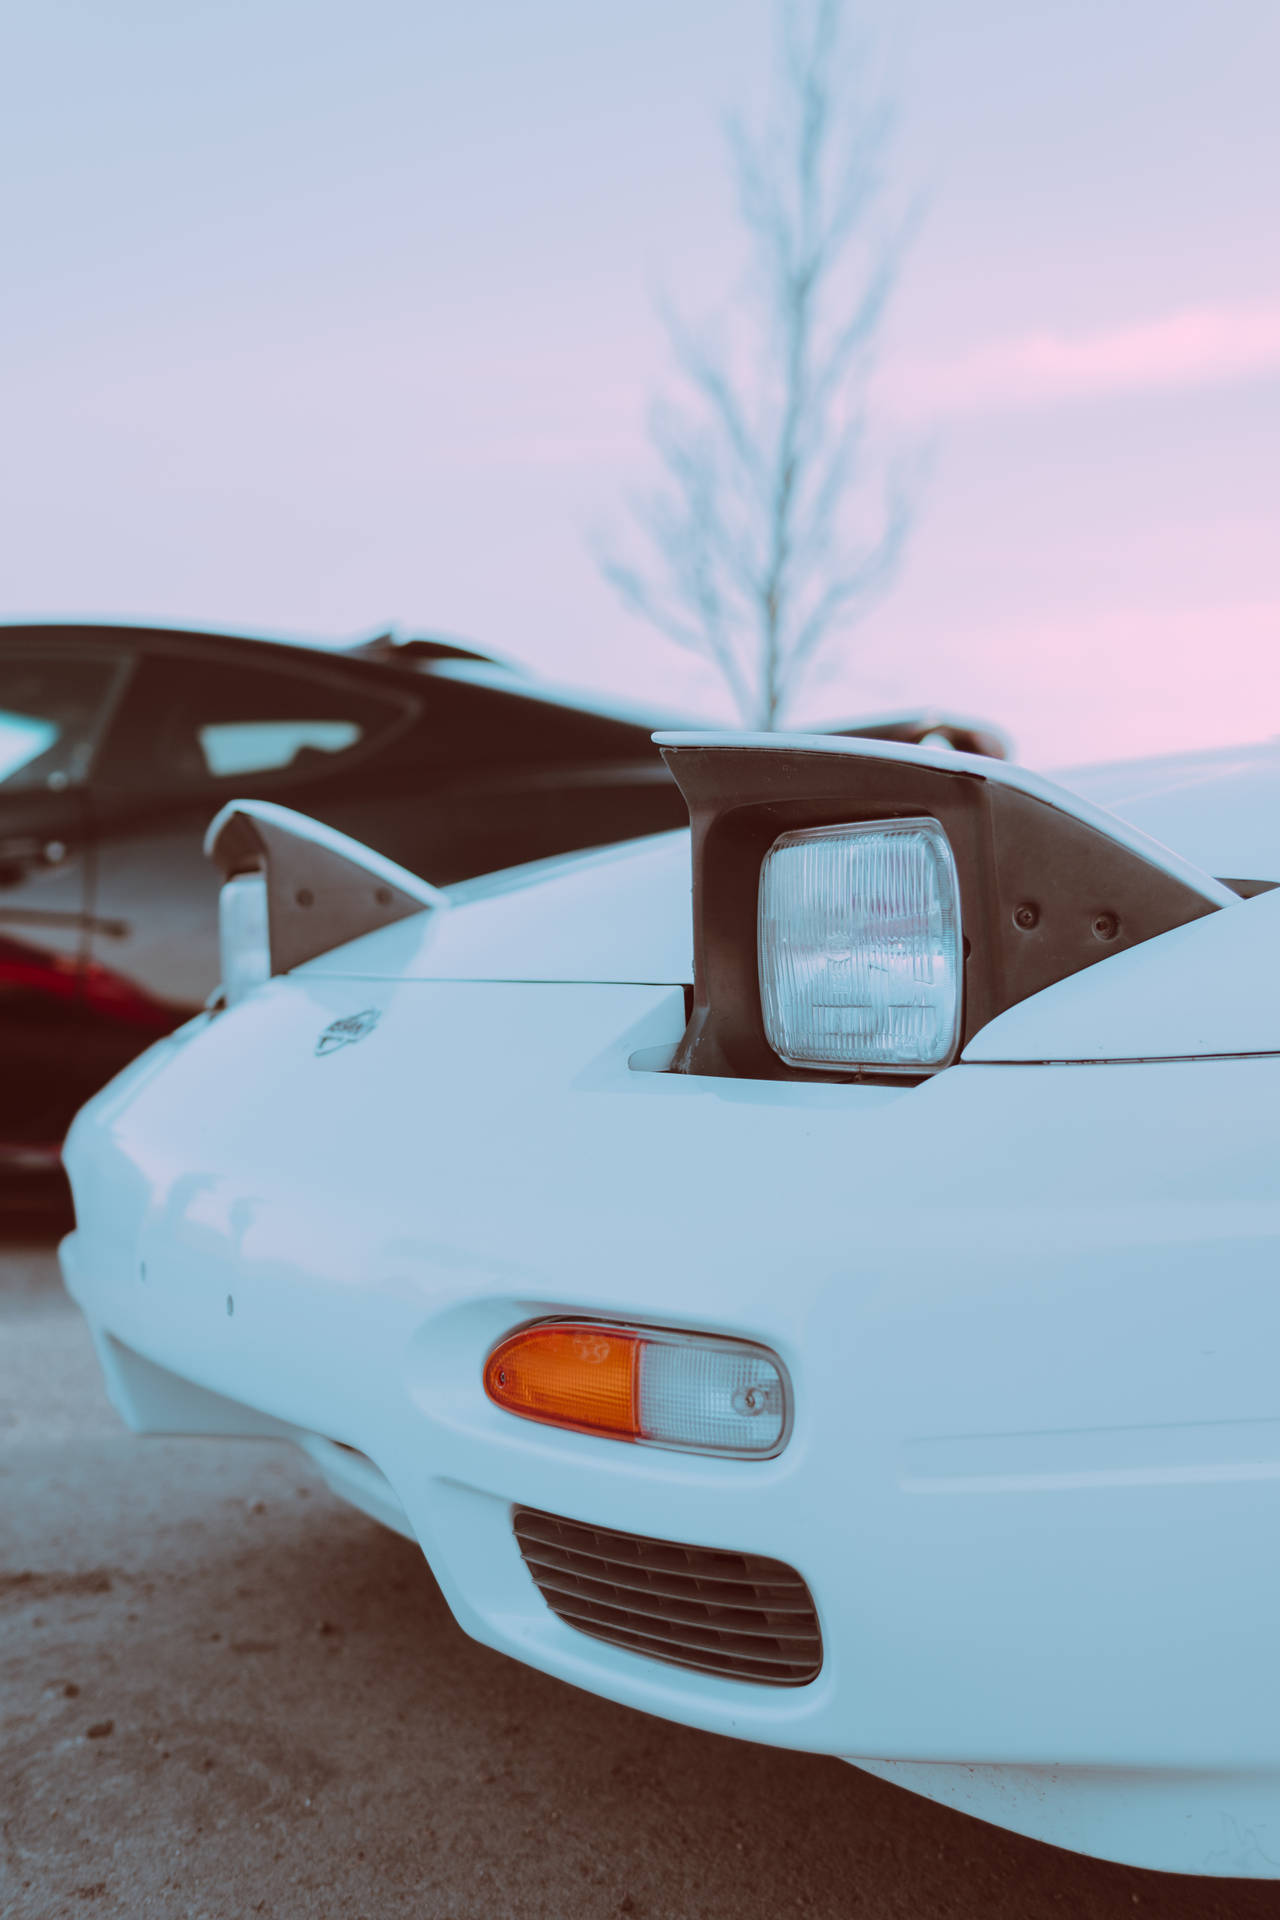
point(578, 1376)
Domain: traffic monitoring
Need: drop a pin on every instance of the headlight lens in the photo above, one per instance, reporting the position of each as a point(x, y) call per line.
point(860, 947)
point(244, 941)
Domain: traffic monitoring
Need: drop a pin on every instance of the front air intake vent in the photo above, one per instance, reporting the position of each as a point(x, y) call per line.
point(735, 1614)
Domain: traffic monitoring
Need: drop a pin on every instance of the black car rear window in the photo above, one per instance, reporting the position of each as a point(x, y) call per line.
point(196, 722)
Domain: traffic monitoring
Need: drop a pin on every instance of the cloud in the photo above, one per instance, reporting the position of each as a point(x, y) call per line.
point(1195, 347)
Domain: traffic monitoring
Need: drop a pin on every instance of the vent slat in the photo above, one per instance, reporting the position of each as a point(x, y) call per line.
point(664, 1555)
point(687, 1566)
point(725, 1593)
point(695, 1639)
point(728, 1667)
point(741, 1620)
point(739, 1615)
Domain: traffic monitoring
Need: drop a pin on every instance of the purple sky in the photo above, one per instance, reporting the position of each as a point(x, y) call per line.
point(319, 317)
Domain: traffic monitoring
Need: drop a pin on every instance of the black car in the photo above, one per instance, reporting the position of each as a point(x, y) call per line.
point(118, 744)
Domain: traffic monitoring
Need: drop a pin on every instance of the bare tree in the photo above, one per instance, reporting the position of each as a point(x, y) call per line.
point(775, 525)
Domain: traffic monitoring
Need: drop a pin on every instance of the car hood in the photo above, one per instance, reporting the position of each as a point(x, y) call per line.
point(1220, 810)
point(612, 914)
point(622, 914)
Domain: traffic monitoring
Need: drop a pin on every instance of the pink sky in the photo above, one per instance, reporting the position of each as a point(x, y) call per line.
point(317, 320)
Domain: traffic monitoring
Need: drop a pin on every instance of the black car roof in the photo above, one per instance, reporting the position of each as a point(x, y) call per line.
point(404, 660)
point(382, 649)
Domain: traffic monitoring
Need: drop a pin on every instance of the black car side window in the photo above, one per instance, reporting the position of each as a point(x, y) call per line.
point(53, 707)
point(197, 723)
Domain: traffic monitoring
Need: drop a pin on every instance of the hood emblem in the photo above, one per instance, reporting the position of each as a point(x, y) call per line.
point(351, 1027)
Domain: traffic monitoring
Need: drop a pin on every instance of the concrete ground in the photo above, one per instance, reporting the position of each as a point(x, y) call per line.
point(222, 1694)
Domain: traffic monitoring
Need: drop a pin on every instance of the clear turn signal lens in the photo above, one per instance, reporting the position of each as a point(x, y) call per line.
point(860, 947)
point(715, 1399)
point(686, 1391)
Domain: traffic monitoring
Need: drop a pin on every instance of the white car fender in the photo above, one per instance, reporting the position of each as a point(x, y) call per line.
point(1210, 989)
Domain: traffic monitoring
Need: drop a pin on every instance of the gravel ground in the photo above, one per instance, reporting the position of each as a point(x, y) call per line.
point(222, 1694)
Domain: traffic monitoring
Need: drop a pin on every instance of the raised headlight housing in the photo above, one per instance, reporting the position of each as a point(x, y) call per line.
point(294, 888)
point(831, 878)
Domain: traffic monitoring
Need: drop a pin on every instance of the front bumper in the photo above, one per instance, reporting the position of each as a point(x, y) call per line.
point(1034, 1477)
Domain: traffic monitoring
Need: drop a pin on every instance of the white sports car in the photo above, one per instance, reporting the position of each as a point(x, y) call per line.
point(845, 1315)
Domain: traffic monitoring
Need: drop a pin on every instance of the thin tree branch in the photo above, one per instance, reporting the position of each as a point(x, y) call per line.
point(753, 556)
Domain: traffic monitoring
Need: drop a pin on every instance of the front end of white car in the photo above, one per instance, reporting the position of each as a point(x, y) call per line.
point(1014, 1540)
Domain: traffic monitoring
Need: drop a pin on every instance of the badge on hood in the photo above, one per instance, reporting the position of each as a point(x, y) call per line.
point(351, 1027)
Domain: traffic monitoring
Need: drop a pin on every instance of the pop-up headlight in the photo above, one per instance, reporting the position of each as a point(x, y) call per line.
point(294, 888)
point(244, 941)
point(860, 947)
